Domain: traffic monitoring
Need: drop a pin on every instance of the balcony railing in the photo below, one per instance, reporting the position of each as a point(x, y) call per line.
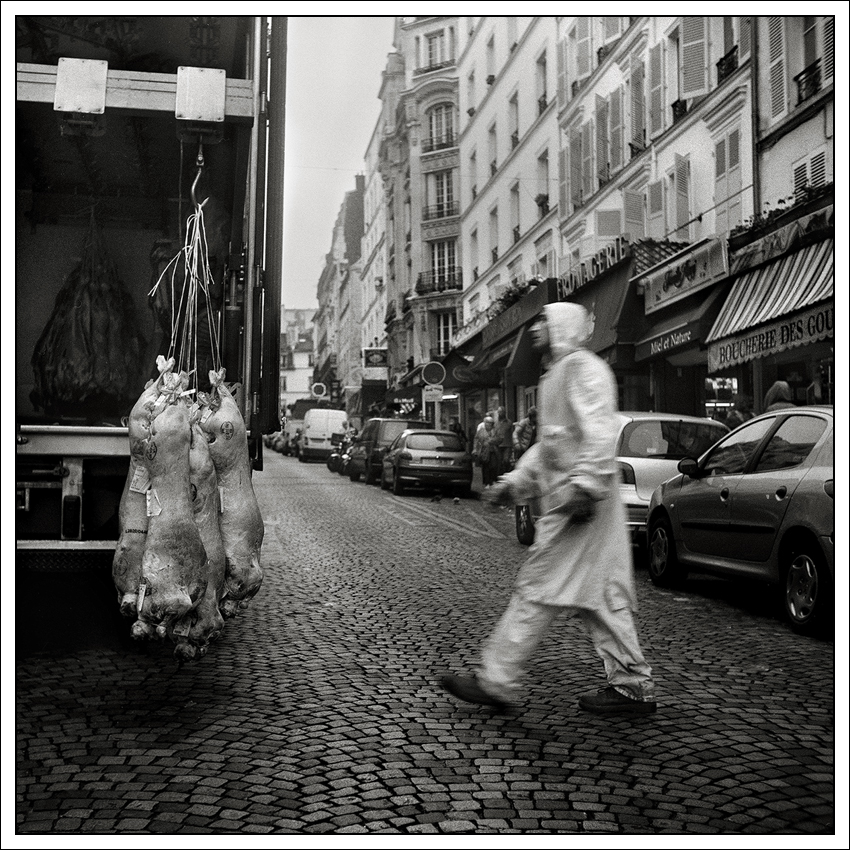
point(808, 82)
point(440, 211)
point(439, 281)
point(727, 65)
point(493, 167)
point(494, 254)
point(542, 202)
point(516, 233)
point(436, 66)
point(514, 139)
point(491, 78)
point(542, 103)
point(604, 51)
point(475, 273)
point(474, 191)
point(680, 109)
point(438, 143)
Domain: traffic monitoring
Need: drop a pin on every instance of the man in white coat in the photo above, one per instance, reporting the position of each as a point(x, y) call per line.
point(581, 558)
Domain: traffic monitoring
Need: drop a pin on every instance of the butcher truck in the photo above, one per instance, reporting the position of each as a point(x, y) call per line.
point(125, 127)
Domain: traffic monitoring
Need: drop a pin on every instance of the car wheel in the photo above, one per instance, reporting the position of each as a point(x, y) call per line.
point(807, 589)
point(398, 487)
point(662, 563)
point(524, 525)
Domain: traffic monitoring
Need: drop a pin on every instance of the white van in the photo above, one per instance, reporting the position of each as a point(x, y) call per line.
point(320, 424)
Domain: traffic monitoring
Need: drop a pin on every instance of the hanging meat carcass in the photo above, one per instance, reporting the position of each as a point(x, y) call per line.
point(240, 520)
point(174, 564)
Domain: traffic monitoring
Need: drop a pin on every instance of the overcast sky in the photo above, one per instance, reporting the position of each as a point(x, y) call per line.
point(334, 67)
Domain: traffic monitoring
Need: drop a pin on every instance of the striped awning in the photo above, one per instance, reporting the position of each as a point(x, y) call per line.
point(792, 283)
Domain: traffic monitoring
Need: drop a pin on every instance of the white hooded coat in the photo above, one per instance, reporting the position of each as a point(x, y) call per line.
point(582, 565)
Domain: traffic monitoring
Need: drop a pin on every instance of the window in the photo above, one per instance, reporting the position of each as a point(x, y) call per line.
point(776, 63)
point(514, 270)
point(473, 306)
point(588, 181)
point(792, 443)
point(809, 172)
point(446, 328)
point(634, 213)
point(513, 117)
point(540, 78)
point(512, 33)
point(656, 89)
point(637, 100)
point(668, 439)
point(542, 196)
point(680, 192)
point(727, 181)
point(693, 57)
point(655, 206)
point(473, 176)
point(473, 251)
point(732, 455)
point(441, 186)
point(514, 210)
point(494, 234)
point(436, 45)
point(602, 143)
point(579, 54)
point(470, 92)
point(491, 145)
point(616, 130)
point(443, 262)
point(491, 60)
point(440, 128)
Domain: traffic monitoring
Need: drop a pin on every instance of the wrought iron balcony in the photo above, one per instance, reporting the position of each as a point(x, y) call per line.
point(542, 202)
point(444, 280)
point(680, 109)
point(438, 143)
point(727, 65)
point(808, 82)
point(440, 211)
point(436, 66)
point(542, 103)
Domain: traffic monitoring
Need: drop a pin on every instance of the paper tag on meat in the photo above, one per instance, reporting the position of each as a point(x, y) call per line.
point(221, 500)
point(181, 628)
point(141, 598)
point(141, 480)
point(153, 505)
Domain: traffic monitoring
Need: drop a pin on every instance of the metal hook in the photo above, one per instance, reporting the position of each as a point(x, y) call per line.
point(200, 163)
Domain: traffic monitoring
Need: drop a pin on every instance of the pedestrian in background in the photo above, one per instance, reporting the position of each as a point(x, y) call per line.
point(740, 412)
point(581, 559)
point(485, 451)
point(525, 433)
point(456, 428)
point(504, 440)
point(779, 397)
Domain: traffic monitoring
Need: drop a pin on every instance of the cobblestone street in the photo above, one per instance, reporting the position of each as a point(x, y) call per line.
point(318, 710)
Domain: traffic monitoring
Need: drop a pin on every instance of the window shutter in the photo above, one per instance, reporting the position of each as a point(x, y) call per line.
point(745, 37)
point(682, 206)
point(721, 219)
point(602, 139)
point(656, 210)
point(776, 60)
point(561, 54)
point(801, 179)
point(694, 59)
point(817, 173)
point(613, 27)
point(608, 223)
point(637, 99)
point(656, 120)
point(634, 214)
point(563, 183)
point(616, 117)
point(575, 168)
point(583, 63)
point(587, 181)
point(828, 48)
point(733, 179)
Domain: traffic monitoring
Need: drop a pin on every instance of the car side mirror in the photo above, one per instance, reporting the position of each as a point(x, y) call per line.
point(688, 466)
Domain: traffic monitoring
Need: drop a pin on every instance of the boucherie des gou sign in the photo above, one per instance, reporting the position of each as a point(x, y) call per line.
point(813, 325)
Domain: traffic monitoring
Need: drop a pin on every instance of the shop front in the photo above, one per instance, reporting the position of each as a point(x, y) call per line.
point(778, 323)
point(682, 297)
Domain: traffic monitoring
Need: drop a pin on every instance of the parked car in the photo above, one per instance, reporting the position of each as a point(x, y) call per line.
point(759, 504)
point(427, 458)
point(369, 447)
point(649, 446)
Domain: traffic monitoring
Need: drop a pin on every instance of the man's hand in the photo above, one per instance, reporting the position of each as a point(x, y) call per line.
point(498, 494)
point(581, 507)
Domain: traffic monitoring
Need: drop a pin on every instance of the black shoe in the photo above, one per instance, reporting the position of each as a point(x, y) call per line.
point(469, 690)
point(611, 701)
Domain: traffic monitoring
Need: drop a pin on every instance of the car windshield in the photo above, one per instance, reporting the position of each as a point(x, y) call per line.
point(668, 439)
point(434, 443)
point(393, 429)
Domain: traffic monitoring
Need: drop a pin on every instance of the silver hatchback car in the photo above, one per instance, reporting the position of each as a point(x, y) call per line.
point(760, 505)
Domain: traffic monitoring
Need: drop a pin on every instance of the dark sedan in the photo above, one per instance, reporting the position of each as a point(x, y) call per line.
point(427, 458)
point(758, 504)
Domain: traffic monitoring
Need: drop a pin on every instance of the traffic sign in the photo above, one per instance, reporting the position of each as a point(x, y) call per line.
point(432, 392)
point(433, 373)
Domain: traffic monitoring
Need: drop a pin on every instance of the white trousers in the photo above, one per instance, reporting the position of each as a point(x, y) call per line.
point(524, 624)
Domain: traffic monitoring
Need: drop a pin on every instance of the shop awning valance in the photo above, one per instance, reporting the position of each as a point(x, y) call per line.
point(796, 281)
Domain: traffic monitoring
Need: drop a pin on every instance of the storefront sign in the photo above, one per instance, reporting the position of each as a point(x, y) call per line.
point(685, 274)
point(375, 357)
point(790, 331)
point(666, 342)
point(611, 255)
point(783, 240)
point(518, 314)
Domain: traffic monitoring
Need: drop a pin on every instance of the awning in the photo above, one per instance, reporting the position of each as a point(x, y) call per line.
point(688, 325)
point(523, 367)
point(604, 300)
point(796, 281)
